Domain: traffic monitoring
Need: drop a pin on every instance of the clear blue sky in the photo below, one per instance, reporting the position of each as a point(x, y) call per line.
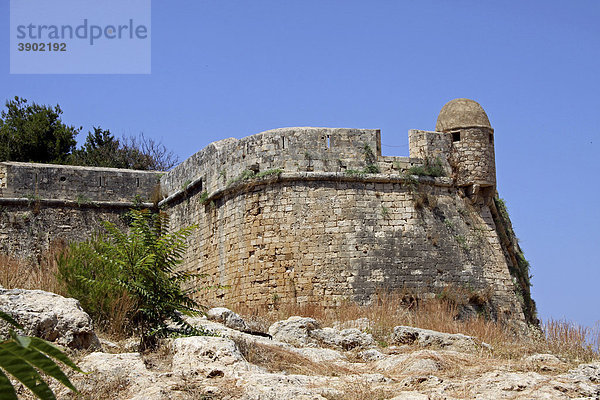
point(235, 68)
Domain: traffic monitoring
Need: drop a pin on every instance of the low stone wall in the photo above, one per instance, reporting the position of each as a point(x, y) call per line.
point(83, 184)
point(27, 230)
point(43, 203)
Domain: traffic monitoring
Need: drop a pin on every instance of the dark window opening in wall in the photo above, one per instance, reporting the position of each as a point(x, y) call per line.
point(36, 179)
point(100, 181)
point(283, 142)
point(328, 141)
point(491, 138)
point(137, 182)
point(63, 178)
point(456, 136)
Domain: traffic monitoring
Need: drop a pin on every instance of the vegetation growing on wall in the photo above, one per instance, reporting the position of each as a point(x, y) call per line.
point(519, 267)
point(370, 164)
point(370, 160)
point(432, 168)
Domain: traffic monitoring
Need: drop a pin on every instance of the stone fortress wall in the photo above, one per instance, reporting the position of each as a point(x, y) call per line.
point(319, 216)
point(41, 203)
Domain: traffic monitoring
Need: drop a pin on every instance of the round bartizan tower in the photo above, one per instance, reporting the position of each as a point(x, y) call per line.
point(472, 151)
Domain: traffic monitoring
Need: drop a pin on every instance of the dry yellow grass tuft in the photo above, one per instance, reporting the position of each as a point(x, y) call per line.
point(42, 273)
point(361, 390)
point(277, 359)
point(39, 273)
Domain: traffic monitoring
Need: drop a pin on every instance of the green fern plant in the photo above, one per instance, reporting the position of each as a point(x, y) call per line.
point(24, 357)
point(143, 262)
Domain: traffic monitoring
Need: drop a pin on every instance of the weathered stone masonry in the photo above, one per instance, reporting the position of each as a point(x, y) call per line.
point(318, 215)
point(40, 203)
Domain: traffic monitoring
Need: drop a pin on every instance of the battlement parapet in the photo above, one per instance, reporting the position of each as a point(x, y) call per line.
point(289, 149)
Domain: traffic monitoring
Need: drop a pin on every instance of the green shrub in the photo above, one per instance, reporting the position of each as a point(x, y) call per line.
point(80, 264)
point(204, 197)
point(269, 172)
point(430, 168)
point(142, 264)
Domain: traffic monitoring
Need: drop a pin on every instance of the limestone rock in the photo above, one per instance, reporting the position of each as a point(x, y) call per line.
point(346, 339)
point(126, 371)
point(362, 324)
point(109, 346)
point(544, 362)
point(209, 356)
point(49, 316)
point(583, 380)
point(421, 362)
point(271, 386)
point(371, 355)
point(300, 331)
point(429, 338)
point(295, 330)
point(317, 355)
point(227, 318)
point(589, 372)
point(411, 396)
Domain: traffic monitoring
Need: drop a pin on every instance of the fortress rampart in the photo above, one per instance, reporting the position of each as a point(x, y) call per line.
point(41, 203)
point(309, 215)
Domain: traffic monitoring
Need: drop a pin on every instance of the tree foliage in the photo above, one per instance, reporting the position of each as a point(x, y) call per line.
point(102, 149)
point(36, 133)
point(33, 132)
point(24, 357)
point(143, 262)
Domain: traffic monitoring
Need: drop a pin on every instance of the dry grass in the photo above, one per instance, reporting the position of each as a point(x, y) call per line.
point(37, 273)
point(41, 273)
point(196, 389)
point(571, 340)
point(361, 391)
point(277, 359)
point(117, 325)
point(565, 339)
point(92, 388)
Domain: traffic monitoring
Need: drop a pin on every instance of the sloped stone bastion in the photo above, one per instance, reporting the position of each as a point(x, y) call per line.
point(305, 215)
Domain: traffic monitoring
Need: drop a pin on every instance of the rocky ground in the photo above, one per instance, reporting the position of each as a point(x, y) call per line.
point(300, 359)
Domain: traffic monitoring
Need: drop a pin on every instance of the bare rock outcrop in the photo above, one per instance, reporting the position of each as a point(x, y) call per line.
point(49, 316)
point(207, 356)
point(237, 365)
point(228, 318)
point(301, 331)
point(295, 331)
point(433, 339)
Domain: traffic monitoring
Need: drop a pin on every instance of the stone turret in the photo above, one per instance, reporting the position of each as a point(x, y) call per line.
point(472, 145)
